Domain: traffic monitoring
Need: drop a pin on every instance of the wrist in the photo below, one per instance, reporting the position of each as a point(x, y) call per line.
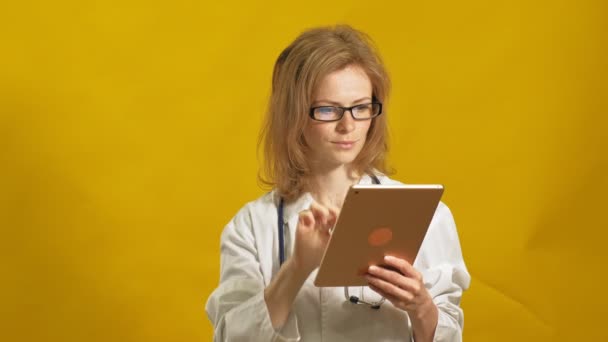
point(280, 294)
point(425, 311)
point(297, 269)
point(424, 321)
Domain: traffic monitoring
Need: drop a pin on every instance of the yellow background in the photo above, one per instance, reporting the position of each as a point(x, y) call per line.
point(127, 141)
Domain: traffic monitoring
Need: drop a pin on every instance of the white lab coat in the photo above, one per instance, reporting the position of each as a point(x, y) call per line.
point(250, 258)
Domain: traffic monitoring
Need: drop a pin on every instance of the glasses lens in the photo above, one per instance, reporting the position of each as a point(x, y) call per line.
point(366, 111)
point(327, 113)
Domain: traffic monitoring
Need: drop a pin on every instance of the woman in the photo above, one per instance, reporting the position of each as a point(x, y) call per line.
point(325, 131)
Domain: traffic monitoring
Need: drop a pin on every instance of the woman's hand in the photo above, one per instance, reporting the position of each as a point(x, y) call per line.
point(405, 289)
point(312, 235)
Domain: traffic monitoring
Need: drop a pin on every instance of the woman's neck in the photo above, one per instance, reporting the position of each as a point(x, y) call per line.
point(329, 187)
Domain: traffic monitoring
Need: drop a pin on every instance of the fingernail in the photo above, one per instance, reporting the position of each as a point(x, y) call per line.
point(373, 268)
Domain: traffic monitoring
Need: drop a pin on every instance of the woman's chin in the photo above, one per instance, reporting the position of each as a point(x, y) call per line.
point(342, 160)
point(337, 159)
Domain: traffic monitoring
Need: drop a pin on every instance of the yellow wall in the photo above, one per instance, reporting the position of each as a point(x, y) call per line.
point(127, 141)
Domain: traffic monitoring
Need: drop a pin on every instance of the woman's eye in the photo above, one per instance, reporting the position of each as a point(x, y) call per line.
point(363, 107)
point(325, 110)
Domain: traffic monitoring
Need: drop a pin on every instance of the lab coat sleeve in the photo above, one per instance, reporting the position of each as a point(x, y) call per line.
point(445, 274)
point(237, 308)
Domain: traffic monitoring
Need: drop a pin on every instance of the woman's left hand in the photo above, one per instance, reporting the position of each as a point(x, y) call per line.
point(403, 287)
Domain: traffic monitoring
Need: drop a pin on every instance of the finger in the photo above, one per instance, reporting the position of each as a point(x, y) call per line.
point(388, 297)
point(390, 291)
point(403, 266)
point(307, 218)
point(334, 212)
point(399, 280)
point(397, 302)
point(320, 213)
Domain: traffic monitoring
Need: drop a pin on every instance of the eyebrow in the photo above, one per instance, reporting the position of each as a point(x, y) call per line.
point(334, 103)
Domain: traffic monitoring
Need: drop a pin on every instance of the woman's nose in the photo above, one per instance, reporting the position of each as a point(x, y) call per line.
point(346, 123)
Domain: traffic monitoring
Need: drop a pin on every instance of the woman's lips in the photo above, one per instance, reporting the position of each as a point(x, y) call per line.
point(347, 144)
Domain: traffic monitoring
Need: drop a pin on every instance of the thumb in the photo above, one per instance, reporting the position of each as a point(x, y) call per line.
point(307, 219)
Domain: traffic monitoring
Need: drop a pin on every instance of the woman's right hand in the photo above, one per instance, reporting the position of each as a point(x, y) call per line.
point(312, 235)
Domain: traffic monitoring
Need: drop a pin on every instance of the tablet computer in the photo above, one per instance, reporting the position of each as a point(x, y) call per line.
point(376, 220)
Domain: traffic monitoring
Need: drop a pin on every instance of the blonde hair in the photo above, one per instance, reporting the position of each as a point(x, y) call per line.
point(297, 73)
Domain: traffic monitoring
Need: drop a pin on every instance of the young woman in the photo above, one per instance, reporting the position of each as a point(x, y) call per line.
point(325, 131)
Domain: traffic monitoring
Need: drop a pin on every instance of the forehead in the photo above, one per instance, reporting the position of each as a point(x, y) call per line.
point(348, 84)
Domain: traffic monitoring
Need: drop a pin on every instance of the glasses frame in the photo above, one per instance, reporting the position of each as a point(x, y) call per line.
point(344, 109)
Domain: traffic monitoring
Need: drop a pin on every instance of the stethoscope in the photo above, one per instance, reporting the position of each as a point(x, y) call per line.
point(347, 296)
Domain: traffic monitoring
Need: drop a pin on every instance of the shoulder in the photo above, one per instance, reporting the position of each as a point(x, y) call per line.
point(252, 214)
point(261, 205)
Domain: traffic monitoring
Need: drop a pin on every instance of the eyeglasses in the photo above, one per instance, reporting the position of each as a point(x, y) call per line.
point(359, 112)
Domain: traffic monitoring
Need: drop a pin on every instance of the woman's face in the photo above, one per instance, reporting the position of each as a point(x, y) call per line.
point(337, 143)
